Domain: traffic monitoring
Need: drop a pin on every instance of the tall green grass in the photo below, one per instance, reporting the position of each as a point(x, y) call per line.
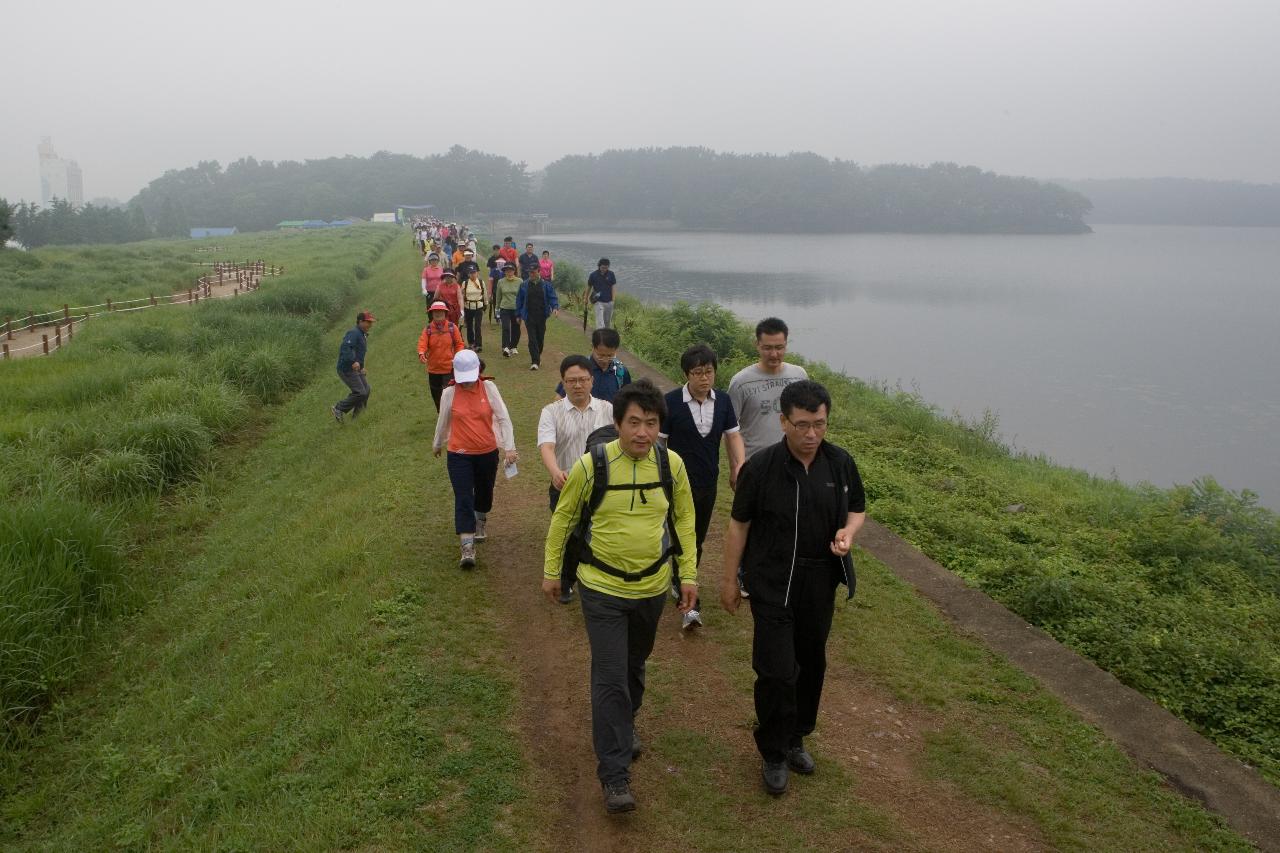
point(133, 410)
point(1175, 591)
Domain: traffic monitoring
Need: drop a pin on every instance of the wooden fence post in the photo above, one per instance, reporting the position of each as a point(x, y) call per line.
point(57, 336)
point(189, 299)
point(153, 299)
point(66, 312)
point(45, 338)
point(108, 304)
point(6, 352)
point(71, 328)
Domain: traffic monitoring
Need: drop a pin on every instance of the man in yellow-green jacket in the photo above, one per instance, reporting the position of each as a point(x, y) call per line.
point(625, 514)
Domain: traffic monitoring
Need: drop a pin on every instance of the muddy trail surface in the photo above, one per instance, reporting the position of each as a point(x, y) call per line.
point(700, 770)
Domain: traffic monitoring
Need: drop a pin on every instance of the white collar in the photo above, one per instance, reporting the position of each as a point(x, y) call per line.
point(688, 398)
point(568, 404)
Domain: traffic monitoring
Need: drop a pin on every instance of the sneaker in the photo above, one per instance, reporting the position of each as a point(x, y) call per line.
point(799, 760)
point(515, 351)
point(692, 619)
point(637, 746)
point(533, 367)
point(506, 352)
point(337, 416)
point(480, 525)
point(775, 776)
point(617, 798)
point(468, 560)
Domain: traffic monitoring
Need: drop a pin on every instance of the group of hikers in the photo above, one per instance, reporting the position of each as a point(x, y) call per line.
point(633, 480)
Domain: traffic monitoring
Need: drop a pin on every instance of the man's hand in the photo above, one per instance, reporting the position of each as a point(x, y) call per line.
point(437, 452)
point(557, 479)
point(688, 597)
point(551, 589)
point(355, 366)
point(555, 312)
point(729, 597)
point(512, 457)
point(842, 543)
point(422, 357)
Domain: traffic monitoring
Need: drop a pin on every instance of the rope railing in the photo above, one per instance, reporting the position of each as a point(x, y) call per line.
point(246, 278)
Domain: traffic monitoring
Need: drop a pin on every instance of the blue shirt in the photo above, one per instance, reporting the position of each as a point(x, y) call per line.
point(354, 345)
point(701, 454)
point(605, 383)
point(602, 285)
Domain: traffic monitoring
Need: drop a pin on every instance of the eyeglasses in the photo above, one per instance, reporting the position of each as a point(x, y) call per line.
point(702, 372)
point(806, 426)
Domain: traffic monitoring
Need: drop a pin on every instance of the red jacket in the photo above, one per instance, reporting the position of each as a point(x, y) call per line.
point(438, 342)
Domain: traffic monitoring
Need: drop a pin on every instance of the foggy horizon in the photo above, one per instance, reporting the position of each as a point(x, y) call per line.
point(1061, 91)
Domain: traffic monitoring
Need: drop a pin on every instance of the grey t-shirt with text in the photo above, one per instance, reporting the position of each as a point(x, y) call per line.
point(755, 398)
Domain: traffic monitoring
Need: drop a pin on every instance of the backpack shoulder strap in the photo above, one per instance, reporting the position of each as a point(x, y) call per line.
point(600, 480)
point(664, 473)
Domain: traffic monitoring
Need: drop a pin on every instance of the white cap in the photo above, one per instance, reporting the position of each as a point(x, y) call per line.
point(466, 366)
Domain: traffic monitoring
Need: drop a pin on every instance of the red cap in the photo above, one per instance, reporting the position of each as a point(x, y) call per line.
point(366, 315)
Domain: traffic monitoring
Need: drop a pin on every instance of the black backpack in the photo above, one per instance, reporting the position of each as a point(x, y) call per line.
point(577, 548)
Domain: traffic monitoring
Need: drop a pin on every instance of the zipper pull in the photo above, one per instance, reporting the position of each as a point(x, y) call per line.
point(642, 499)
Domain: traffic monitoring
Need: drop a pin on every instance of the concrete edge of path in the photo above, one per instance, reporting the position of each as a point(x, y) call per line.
point(1155, 738)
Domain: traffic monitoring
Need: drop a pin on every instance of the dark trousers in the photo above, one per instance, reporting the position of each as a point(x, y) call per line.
point(472, 476)
point(475, 319)
point(438, 381)
point(789, 656)
point(359, 396)
point(621, 632)
point(536, 329)
point(704, 502)
point(510, 328)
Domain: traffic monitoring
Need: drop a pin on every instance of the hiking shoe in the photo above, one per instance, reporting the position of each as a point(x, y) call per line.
point(800, 760)
point(774, 774)
point(506, 352)
point(337, 416)
point(515, 351)
point(480, 525)
point(692, 619)
point(617, 798)
point(533, 367)
point(468, 560)
point(637, 746)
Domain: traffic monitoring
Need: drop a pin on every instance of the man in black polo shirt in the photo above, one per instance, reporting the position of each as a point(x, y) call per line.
point(697, 418)
point(798, 505)
point(528, 260)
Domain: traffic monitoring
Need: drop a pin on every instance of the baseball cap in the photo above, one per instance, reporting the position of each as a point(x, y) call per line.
point(447, 274)
point(366, 315)
point(468, 251)
point(466, 366)
point(433, 257)
point(438, 306)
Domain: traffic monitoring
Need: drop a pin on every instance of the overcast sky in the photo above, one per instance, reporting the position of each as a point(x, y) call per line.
point(1047, 88)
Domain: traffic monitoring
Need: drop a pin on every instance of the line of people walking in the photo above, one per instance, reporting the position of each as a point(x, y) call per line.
point(633, 483)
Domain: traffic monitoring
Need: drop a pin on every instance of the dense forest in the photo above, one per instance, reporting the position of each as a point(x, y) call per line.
point(700, 188)
point(1180, 201)
point(695, 187)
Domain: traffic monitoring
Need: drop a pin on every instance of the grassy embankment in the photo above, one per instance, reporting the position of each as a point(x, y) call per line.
point(308, 670)
point(1175, 591)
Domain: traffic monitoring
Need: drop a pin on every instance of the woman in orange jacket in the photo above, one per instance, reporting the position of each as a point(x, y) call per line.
point(450, 294)
point(439, 340)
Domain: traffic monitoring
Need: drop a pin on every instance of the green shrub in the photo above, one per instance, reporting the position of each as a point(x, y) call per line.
point(120, 474)
point(59, 564)
point(175, 441)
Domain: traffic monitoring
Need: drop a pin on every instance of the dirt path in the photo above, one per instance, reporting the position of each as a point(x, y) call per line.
point(863, 734)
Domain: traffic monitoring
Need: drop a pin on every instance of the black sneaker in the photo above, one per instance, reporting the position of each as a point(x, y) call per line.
point(775, 777)
point(618, 798)
point(799, 760)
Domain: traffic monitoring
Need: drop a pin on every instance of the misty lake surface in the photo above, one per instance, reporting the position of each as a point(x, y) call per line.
point(1144, 353)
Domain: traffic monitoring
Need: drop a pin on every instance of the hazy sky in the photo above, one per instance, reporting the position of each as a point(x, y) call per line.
point(1048, 88)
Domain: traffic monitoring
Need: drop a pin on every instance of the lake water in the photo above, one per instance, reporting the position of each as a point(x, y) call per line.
point(1146, 353)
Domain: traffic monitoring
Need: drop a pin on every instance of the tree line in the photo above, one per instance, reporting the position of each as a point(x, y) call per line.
point(692, 187)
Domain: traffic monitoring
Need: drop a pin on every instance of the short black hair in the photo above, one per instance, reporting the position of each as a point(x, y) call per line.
point(642, 393)
point(805, 394)
point(527, 245)
point(603, 262)
point(606, 337)
point(696, 356)
point(508, 239)
point(497, 245)
point(771, 326)
point(574, 361)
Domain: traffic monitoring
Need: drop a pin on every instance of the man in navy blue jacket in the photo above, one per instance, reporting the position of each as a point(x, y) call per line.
point(697, 418)
point(351, 369)
point(535, 302)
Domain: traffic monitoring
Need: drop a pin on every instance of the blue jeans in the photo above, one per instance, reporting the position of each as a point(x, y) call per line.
point(472, 476)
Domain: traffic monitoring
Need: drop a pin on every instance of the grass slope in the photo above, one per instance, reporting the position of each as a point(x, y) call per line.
point(313, 672)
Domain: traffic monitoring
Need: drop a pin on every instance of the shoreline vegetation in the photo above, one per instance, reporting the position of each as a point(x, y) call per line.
point(1175, 591)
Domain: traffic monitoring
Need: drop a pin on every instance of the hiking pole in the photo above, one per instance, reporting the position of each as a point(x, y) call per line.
point(586, 305)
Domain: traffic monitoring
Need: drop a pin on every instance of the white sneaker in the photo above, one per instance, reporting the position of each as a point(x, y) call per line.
point(468, 560)
point(515, 351)
point(692, 619)
point(506, 352)
point(533, 367)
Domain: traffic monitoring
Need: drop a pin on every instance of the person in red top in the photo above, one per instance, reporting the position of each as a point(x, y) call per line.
point(450, 294)
point(473, 423)
point(508, 251)
point(431, 274)
point(439, 340)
